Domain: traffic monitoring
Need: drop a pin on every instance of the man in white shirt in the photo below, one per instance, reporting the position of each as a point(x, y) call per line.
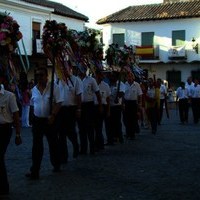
point(182, 96)
point(163, 95)
point(44, 122)
point(101, 117)
point(116, 99)
point(9, 114)
point(71, 90)
point(86, 122)
point(195, 100)
point(132, 98)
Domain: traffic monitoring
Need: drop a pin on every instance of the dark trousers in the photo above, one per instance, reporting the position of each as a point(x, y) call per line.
point(162, 102)
point(6, 132)
point(40, 129)
point(130, 118)
point(100, 119)
point(115, 130)
point(66, 126)
point(196, 109)
point(183, 110)
point(86, 128)
point(152, 113)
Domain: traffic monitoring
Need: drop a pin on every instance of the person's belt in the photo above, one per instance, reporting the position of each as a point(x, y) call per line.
point(5, 125)
point(40, 118)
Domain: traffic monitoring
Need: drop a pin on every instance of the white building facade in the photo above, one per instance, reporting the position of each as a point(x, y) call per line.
point(31, 17)
point(175, 44)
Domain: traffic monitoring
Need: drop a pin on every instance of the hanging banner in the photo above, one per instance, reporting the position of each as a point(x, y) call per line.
point(145, 52)
point(177, 52)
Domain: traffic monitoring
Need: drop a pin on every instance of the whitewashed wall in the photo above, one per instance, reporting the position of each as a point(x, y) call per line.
point(70, 22)
point(25, 14)
point(163, 34)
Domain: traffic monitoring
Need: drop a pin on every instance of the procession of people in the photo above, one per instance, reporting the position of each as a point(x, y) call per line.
point(83, 100)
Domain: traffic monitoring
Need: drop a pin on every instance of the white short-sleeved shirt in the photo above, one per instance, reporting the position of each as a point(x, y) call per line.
point(195, 91)
point(182, 93)
point(114, 93)
point(90, 86)
point(8, 106)
point(163, 91)
point(189, 87)
point(41, 102)
point(105, 92)
point(132, 91)
point(70, 89)
point(151, 92)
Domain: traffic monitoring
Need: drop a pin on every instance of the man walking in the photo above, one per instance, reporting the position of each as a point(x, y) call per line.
point(9, 113)
point(43, 122)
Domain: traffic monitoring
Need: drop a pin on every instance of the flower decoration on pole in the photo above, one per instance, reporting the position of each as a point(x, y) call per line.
point(124, 60)
point(9, 36)
point(86, 47)
point(57, 49)
point(56, 46)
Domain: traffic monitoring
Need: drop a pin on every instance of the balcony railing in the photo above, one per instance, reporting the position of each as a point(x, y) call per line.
point(177, 53)
point(147, 52)
point(37, 46)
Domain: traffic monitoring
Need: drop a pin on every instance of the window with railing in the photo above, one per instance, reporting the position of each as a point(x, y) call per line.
point(146, 51)
point(36, 27)
point(178, 38)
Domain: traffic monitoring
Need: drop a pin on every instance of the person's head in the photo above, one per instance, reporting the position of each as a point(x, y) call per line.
point(114, 76)
point(189, 80)
point(41, 74)
point(182, 84)
point(99, 75)
point(150, 82)
point(82, 69)
point(196, 81)
point(130, 77)
point(1, 76)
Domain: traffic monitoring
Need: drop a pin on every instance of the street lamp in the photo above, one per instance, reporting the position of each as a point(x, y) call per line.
point(195, 45)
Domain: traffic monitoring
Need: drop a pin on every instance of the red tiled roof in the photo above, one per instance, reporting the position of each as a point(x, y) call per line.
point(149, 12)
point(59, 9)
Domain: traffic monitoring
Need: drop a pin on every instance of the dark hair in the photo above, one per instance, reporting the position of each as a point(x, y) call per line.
point(44, 69)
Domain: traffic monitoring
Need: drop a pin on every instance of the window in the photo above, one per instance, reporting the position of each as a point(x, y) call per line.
point(195, 74)
point(36, 30)
point(118, 39)
point(147, 39)
point(178, 38)
point(36, 35)
point(174, 78)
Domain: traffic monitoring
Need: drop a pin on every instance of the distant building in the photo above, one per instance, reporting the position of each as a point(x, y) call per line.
point(31, 15)
point(165, 36)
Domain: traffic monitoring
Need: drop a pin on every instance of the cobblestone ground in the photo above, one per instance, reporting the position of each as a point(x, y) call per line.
point(165, 166)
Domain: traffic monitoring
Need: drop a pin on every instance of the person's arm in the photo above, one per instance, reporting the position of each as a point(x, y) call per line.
point(55, 110)
point(108, 106)
point(17, 126)
point(78, 101)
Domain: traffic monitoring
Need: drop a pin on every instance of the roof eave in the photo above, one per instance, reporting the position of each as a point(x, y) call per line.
point(150, 19)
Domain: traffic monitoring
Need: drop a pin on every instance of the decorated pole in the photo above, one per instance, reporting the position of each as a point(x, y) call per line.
point(9, 36)
point(56, 48)
point(52, 84)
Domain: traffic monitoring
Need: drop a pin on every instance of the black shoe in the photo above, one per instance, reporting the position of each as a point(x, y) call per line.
point(83, 153)
point(153, 132)
point(32, 176)
point(4, 193)
point(64, 161)
point(132, 138)
point(92, 152)
point(56, 169)
point(4, 190)
point(109, 144)
point(75, 153)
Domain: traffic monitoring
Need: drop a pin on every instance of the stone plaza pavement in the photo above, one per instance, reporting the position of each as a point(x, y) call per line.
point(165, 166)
